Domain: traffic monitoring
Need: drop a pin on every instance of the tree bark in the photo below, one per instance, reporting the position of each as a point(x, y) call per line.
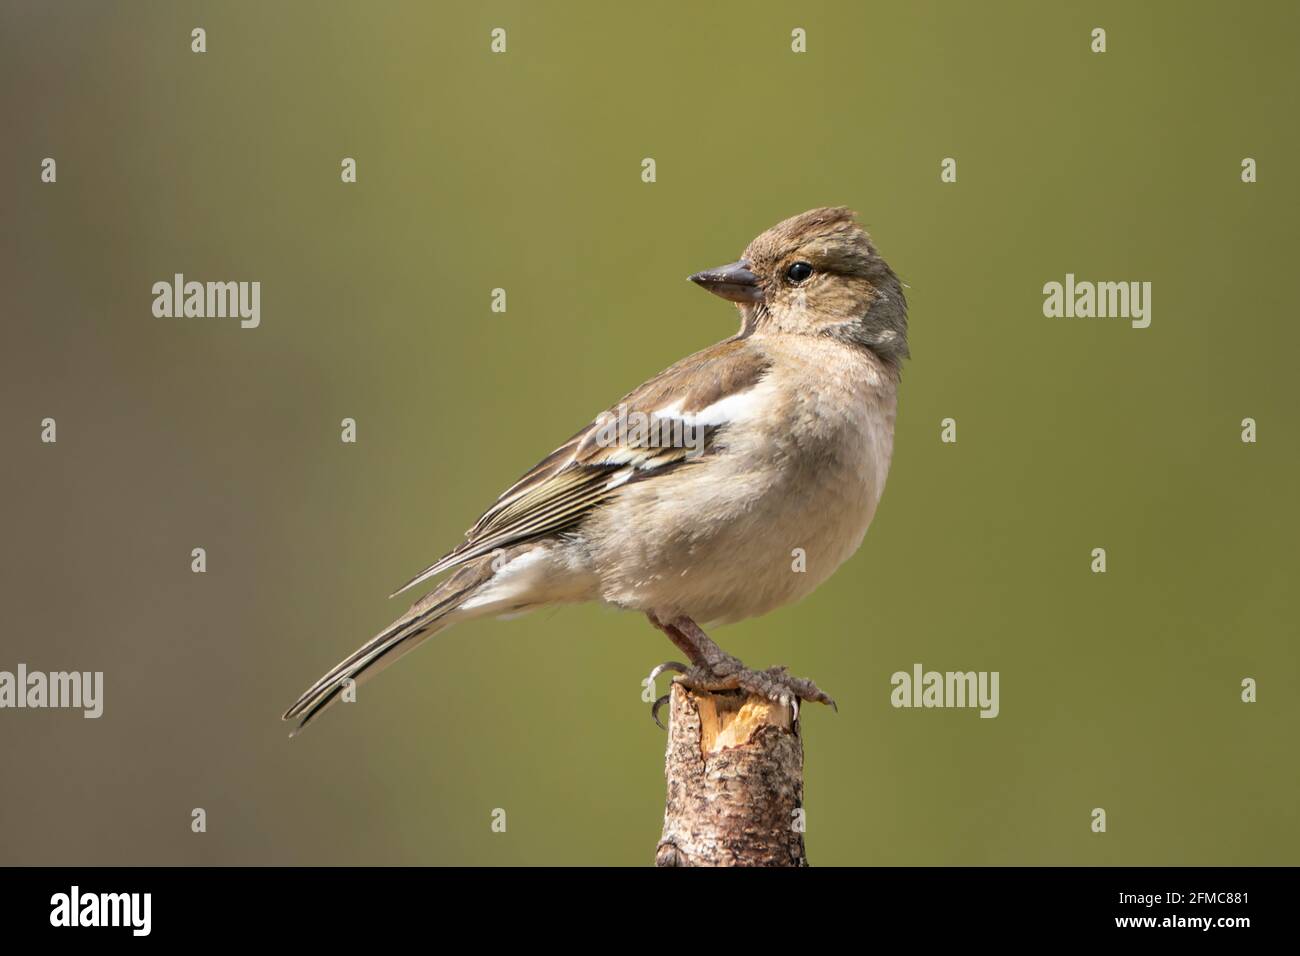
point(734, 766)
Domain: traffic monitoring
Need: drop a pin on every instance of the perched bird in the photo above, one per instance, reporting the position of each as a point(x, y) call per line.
point(687, 500)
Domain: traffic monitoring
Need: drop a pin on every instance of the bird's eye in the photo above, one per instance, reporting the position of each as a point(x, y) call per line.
point(798, 272)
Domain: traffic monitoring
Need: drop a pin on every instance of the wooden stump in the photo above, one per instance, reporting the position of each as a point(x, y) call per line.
point(734, 766)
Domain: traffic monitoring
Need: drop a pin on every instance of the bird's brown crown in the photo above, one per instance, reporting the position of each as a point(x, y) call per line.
point(821, 274)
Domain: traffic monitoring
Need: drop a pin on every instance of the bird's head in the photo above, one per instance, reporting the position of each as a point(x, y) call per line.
point(817, 273)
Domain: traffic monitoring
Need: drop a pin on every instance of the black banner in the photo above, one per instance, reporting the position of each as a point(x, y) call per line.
point(1168, 906)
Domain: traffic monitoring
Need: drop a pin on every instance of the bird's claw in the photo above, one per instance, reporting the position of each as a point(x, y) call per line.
point(654, 711)
point(775, 683)
point(677, 666)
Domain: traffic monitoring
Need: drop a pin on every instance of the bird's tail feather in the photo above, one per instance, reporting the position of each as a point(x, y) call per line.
point(428, 616)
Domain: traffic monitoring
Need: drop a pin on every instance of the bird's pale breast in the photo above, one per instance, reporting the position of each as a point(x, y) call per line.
point(762, 524)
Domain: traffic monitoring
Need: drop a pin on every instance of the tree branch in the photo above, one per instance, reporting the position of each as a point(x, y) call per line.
point(734, 767)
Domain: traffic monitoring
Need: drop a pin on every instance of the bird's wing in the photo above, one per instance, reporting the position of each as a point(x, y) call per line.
point(614, 451)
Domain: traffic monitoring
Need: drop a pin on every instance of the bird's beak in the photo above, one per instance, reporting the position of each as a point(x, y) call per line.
point(734, 282)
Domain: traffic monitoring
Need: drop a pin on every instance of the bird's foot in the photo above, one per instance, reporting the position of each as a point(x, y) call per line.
point(730, 673)
point(775, 683)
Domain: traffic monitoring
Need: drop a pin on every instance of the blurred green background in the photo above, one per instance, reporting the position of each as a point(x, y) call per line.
point(522, 171)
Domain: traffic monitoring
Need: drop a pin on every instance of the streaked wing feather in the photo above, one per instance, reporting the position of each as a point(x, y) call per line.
point(564, 487)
